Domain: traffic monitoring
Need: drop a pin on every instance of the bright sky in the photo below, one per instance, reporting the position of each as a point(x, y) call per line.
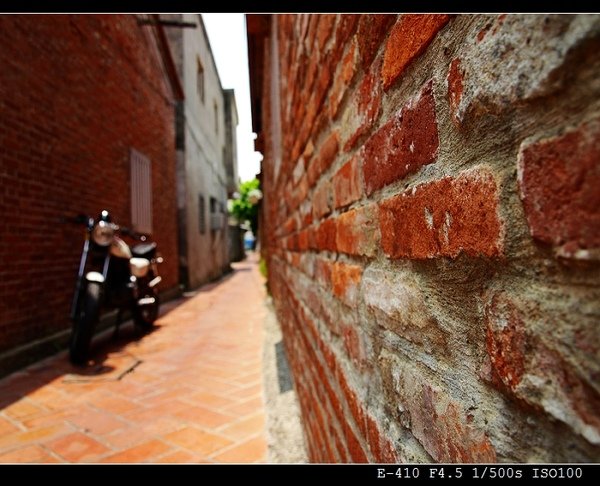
point(227, 36)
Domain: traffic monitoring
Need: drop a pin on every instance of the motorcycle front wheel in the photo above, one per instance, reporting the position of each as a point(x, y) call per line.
point(145, 314)
point(84, 325)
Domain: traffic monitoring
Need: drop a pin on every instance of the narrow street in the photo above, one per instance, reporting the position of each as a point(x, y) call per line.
point(190, 391)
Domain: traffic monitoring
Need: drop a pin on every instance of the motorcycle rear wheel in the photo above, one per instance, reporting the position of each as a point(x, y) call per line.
point(145, 315)
point(83, 328)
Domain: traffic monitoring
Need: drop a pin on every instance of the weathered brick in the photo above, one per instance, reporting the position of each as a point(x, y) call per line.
point(455, 88)
point(354, 448)
point(345, 280)
point(522, 357)
point(323, 271)
point(322, 200)
point(325, 236)
point(443, 218)
point(366, 108)
point(324, 30)
point(358, 231)
point(559, 179)
point(398, 304)
point(380, 446)
point(372, 30)
point(409, 37)
point(408, 141)
point(343, 80)
point(540, 69)
point(444, 427)
point(323, 159)
point(347, 185)
point(505, 342)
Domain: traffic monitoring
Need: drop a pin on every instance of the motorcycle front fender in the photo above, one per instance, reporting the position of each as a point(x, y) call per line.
point(94, 277)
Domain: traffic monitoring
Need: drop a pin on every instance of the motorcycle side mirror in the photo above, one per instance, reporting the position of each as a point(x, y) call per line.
point(81, 219)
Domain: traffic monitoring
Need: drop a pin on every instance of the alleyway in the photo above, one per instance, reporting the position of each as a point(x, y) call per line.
point(191, 391)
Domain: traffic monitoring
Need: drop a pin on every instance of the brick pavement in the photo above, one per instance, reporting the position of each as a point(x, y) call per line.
point(189, 392)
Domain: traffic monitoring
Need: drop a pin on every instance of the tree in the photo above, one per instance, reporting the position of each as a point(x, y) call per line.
point(245, 206)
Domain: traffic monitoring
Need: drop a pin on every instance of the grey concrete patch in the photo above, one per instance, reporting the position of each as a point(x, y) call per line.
point(284, 377)
point(285, 437)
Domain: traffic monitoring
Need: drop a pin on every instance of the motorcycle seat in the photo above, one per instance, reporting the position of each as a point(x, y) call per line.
point(144, 250)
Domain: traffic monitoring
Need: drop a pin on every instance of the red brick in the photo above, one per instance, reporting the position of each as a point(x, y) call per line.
point(372, 30)
point(324, 30)
point(455, 88)
point(354, 346)
point(559, 179)
point(323, 271)
point(346, 27)
point(346, 280)
point(367, 106)
point(343, 80)
point(409, 37)
point(354, 404)
point(322, 200)
point(354, 448)
point(325, 236)
point(358, 232)
point(443, 218)
point(505, 343)
point(327, 153)
point(303, 240)
point(347, 183)
point(408, 141)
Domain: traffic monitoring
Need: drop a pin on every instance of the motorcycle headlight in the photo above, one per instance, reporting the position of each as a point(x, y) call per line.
point(103, 233)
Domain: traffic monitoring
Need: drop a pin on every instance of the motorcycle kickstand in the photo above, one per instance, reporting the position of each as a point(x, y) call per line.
point(118, 324)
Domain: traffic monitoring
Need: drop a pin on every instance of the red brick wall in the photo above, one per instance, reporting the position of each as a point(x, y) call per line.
point(432, 233)
point(76, 92)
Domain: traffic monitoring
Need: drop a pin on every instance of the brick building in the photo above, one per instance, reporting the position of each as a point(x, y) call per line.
point(206, 154)
point(80, 96)
point(431, 223)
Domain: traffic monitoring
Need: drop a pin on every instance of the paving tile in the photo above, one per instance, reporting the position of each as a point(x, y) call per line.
point(22, 409)
point(77, 447)
point(31, 454)
point(141, 453)
point(96, 422)
point(179, 457)
point(252, 450)
point(7, 427)
point(115, 404)
point(198, 441)
point(245, 428)
point(203, 417)
point(209, 400)
point(247, 407)
point(36, 435)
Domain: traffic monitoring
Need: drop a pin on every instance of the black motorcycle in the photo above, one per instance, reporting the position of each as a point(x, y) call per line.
point(113, 276)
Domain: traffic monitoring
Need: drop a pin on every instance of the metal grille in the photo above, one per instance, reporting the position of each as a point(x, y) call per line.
point(141, 192)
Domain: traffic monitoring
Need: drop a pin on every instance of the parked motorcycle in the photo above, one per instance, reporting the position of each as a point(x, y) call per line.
point(112, 275)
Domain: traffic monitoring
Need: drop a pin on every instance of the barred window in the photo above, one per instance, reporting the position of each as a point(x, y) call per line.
point(201, 213)
point(141, 192)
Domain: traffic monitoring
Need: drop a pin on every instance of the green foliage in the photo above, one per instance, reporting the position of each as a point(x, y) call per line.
point(245, 208)
point(262, 267)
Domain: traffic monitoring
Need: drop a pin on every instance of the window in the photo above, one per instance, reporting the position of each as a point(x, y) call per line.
point(216, 216)
point(200, 80)
point(201, 214)
point(141, 192)
point(216, 108)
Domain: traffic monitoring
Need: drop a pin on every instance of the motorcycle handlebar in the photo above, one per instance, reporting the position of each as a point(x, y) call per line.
point(133, 234)
point(80, 219)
